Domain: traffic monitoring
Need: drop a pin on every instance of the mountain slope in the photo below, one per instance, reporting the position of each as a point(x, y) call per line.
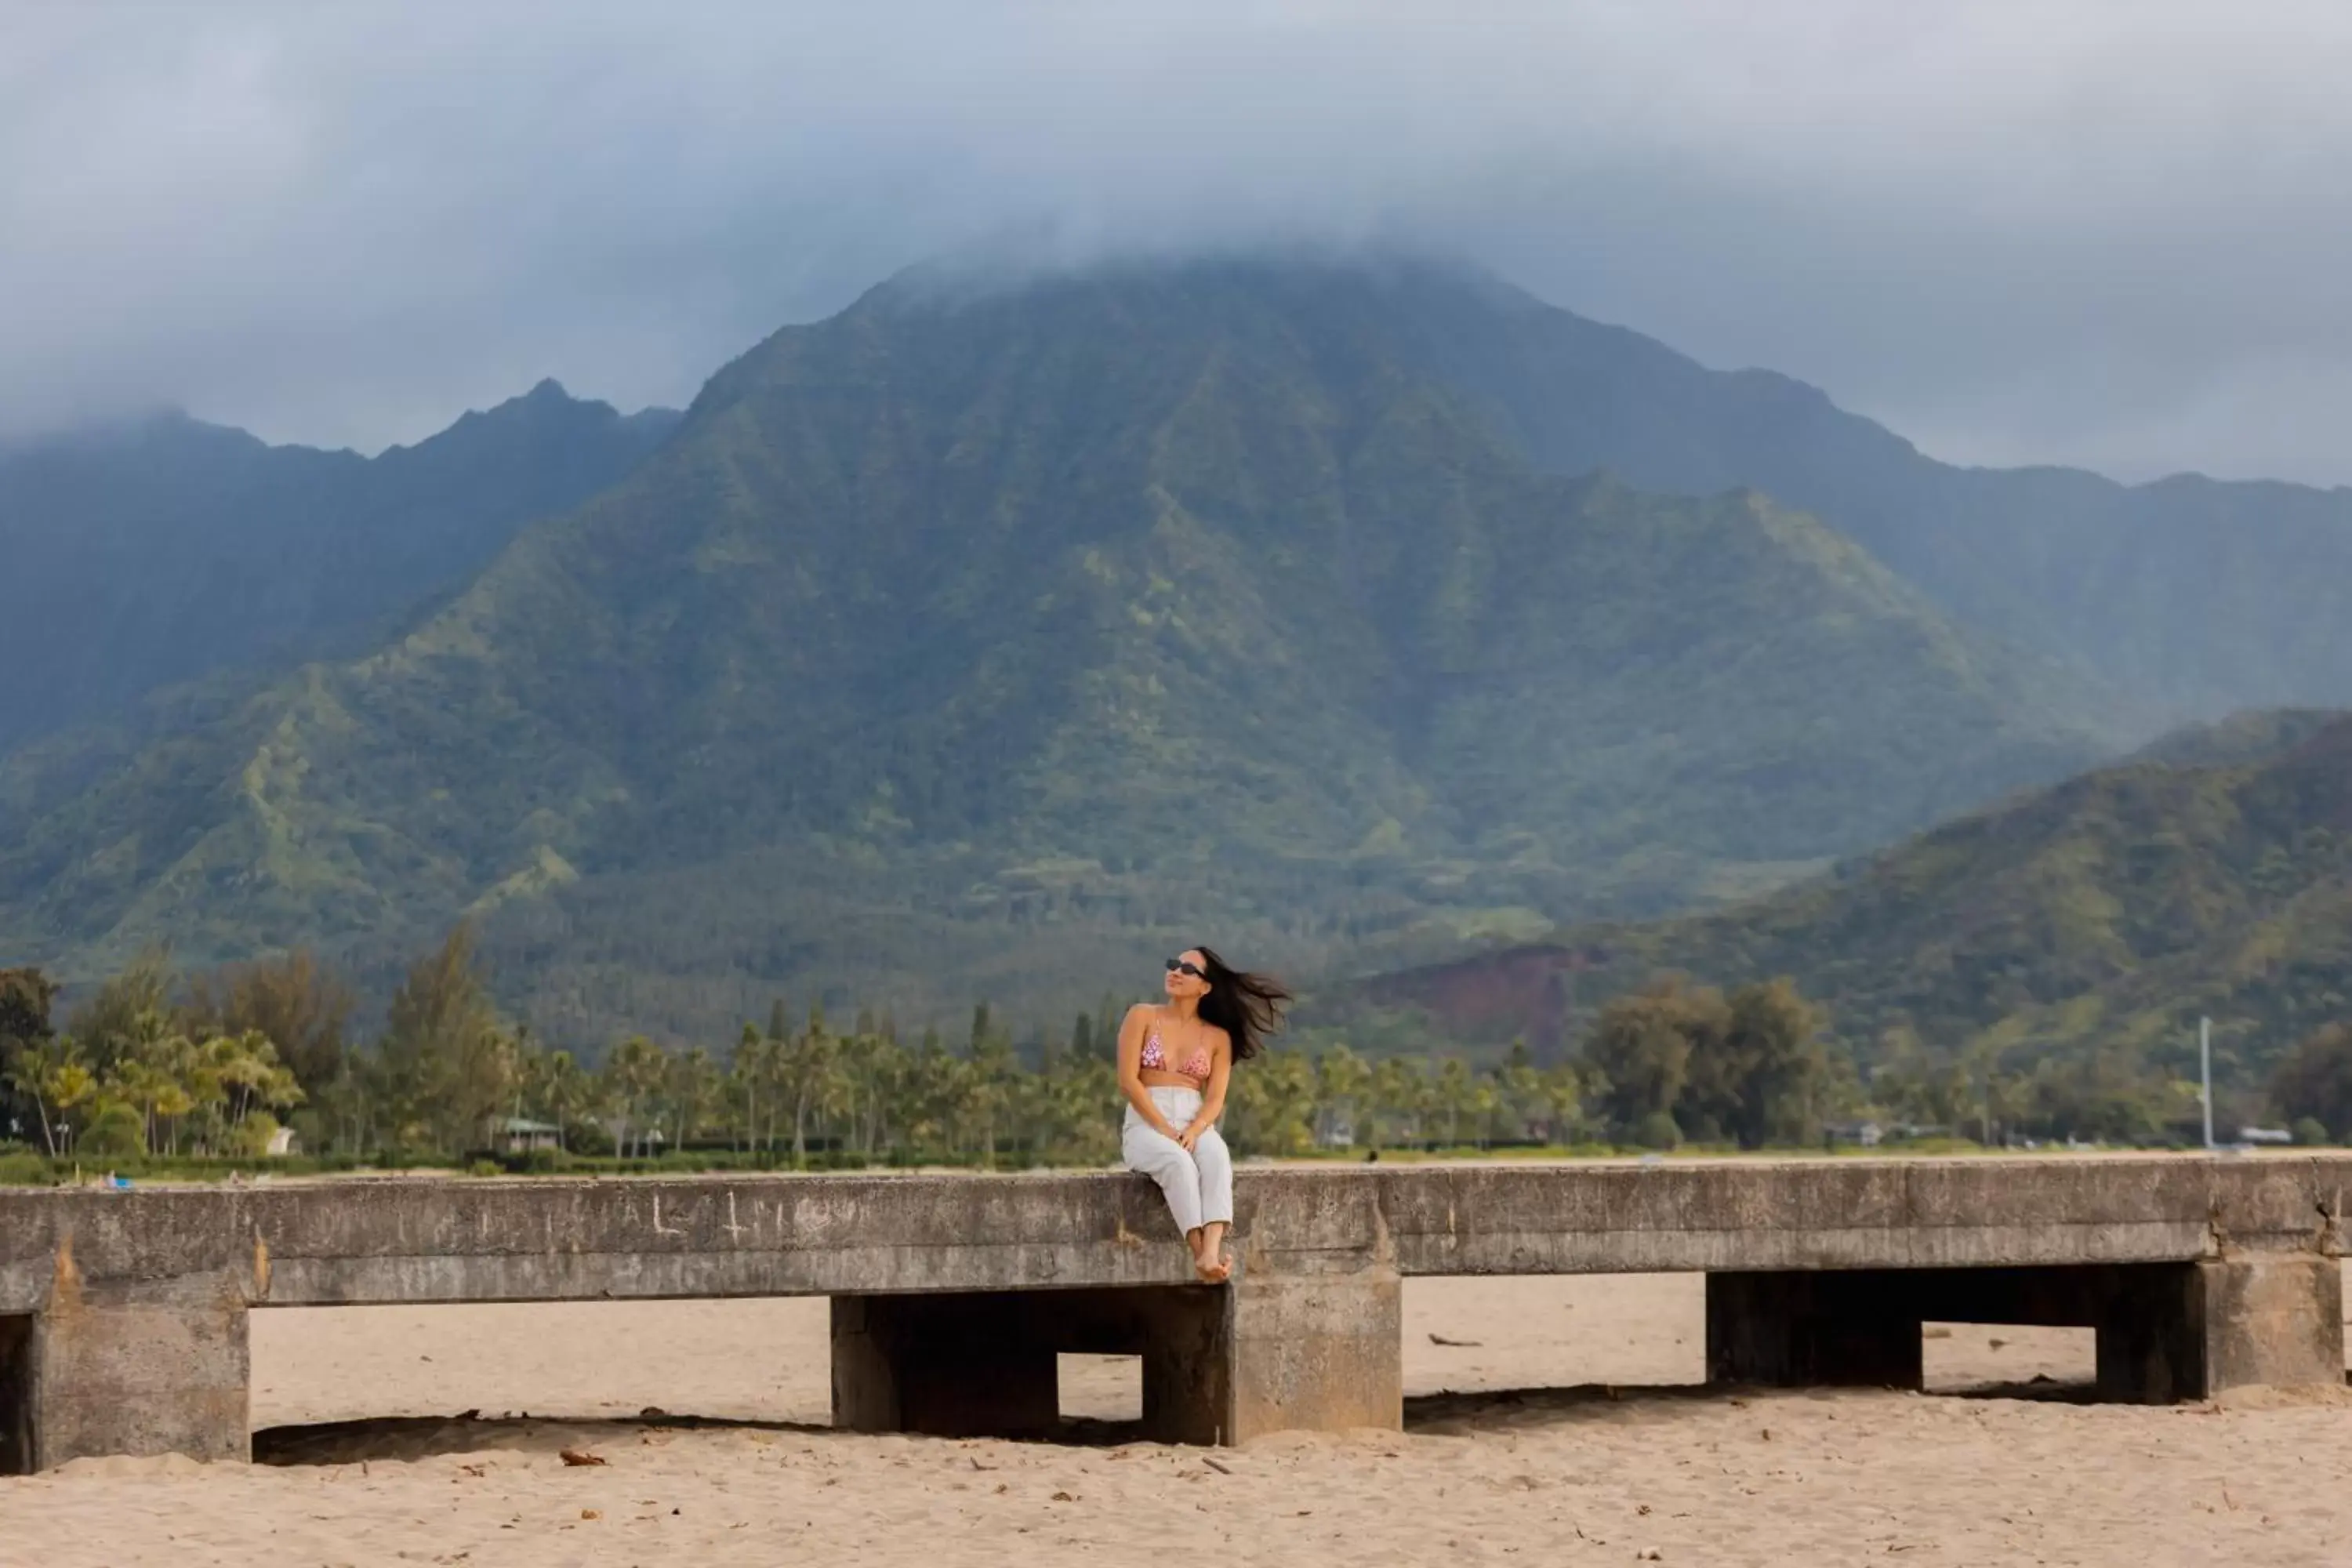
point(153, 554)
point(2190, 597)
point(976, 640)
point(2109, 911)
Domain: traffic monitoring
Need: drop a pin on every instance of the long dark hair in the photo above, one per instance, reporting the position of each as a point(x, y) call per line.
point(1246, 1006)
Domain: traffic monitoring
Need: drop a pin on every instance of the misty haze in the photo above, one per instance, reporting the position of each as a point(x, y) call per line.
point(715, 594)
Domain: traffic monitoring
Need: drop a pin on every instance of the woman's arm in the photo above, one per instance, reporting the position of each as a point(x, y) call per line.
point(1213, 1097)
point(1130, 1070)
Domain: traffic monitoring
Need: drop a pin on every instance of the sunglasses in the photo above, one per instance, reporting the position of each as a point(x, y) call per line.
point(1186, 966)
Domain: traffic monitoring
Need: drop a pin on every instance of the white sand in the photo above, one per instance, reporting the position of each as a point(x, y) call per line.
point(768, 1361)
point(1593, 1476)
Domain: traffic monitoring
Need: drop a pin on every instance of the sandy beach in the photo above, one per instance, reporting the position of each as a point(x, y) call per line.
point(1600, 1459)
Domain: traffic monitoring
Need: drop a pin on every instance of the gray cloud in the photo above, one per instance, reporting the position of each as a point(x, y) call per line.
point(2109, 233)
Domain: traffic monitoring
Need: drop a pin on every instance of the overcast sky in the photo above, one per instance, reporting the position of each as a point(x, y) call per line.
point(2115, 233)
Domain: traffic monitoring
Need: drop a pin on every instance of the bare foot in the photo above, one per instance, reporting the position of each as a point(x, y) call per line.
point(1214, 1271)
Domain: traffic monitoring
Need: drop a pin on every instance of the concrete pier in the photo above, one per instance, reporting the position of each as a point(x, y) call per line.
point(122, 1314)
point(136, 1366)
point(2166, 1332)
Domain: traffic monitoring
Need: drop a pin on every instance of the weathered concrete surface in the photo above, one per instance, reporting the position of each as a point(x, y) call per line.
point(2166, 1331)
point(1820, 1330)
point(1321, 1350)
point(137, 1366)
point(405, 1240)
point(16, 1395)
point(982, 1363)
point(2271, 1320)
point(137, 1299)
point(949, 1365)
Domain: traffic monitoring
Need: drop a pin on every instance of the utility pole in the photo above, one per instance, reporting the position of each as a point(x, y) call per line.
point(2205, 1070)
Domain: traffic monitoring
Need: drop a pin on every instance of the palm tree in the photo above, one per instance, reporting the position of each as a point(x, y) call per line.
point(810, 1061)
point(634, 1075)
point(1275, 1099)
point(50, 1072)
point(760, 1077)
point(691, 1084)
point(1400, 1091)
point(1521, 1086)
point(248, 1065)
point(1341, 1081)
point(149, 1056)
point(71, 1082)
point(988, 1097)
point(743, 1082)
point(1560, 1091)
point(563, 1091)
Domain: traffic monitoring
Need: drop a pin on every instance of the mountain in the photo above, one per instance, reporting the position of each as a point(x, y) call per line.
point(2209, 876)
point(987, 639)
point(2190, 597)
point(149, 553)
point(2255, 736)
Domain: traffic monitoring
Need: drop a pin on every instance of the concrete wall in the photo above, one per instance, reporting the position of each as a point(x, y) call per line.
point(400, 1239)
point(2199, 1274)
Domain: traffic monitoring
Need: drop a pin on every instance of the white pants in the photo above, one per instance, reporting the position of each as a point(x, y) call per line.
point(1199, 1184)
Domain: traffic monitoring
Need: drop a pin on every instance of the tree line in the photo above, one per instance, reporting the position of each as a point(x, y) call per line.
point(151, 1064)
point(139, 1074)
point(2314, 1085)
point(146, 1065)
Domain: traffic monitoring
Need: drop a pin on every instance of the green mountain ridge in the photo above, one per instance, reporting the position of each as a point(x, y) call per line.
point(2211, 876)
point(2188, 598)
point(147, 555)
point(987, 643)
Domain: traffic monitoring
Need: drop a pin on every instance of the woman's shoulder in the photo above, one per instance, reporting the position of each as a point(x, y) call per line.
point(1147, 1011)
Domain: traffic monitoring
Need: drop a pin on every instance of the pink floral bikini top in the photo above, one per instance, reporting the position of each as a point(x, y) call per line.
point(1155, 1057)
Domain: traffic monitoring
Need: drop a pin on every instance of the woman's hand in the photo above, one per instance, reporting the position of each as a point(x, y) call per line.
point(1190, 1136)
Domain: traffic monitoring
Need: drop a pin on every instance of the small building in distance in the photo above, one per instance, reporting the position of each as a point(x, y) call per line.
point(1867, 1135)
point(519, 1135)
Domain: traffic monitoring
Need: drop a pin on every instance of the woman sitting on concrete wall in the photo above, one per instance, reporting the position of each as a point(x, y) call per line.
point(1175, 1059)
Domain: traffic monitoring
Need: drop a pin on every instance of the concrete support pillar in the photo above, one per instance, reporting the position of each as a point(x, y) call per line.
point(1316, 1352)
point(1812, 1330)
point(1181, 1333)
point(2275, 1319)
point(2192, 1330)
point(133, 1367)
point(958, 1365)
point(16, 1394)
point(2166, 1331)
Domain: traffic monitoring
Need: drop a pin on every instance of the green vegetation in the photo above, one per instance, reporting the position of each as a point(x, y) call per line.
point(2057, 948)
point(2188, 599)
point(155, 1077)
point(1682, 1062)
point(993, 640)
point(993, 643)
point(142, 556)
point(137, 1078)
point(133, 1077)
point(2314, 1085)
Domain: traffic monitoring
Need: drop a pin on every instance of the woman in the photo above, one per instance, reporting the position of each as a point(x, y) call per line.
point(1174, 1061)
